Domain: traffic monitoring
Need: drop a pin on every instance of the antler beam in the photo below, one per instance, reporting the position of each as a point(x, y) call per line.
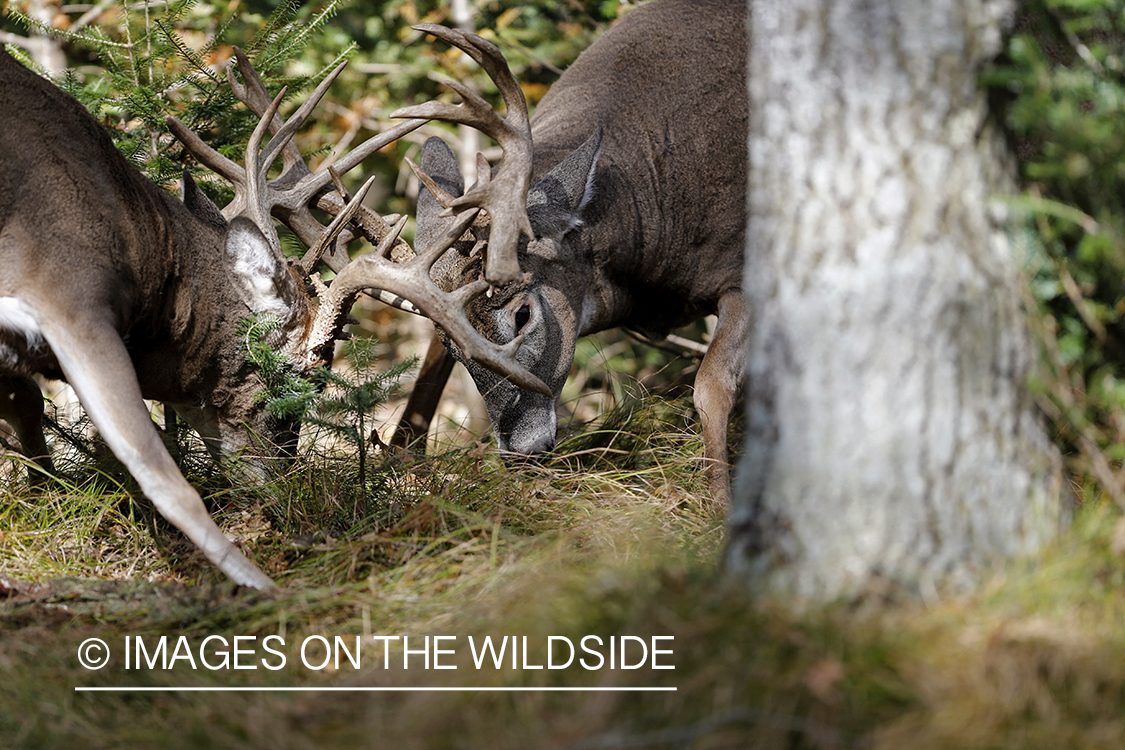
point(504, 196)
point(407, 285)
point(411, 280)
point(289, 196)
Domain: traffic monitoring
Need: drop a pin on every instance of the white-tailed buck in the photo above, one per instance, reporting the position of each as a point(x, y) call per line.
point(635, 216)
point(129, 293)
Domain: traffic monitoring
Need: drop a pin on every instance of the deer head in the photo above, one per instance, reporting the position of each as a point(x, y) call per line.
point(526, 228)
point(543, 308)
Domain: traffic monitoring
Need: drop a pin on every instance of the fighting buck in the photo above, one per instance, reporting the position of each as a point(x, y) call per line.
point(129, 293)
point(635, 218)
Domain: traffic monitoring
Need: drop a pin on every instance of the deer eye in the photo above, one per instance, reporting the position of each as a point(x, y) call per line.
point(522, 316)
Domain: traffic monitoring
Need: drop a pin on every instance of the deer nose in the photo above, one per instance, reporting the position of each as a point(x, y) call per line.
point(541, 445)
point(531, 452)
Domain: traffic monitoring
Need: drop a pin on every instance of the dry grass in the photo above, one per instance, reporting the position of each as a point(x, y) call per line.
point(610, 539)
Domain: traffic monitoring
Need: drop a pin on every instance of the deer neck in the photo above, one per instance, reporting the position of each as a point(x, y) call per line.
point(598, 256)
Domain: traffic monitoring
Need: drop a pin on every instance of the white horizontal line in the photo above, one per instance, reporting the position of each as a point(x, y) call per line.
point(236, 689)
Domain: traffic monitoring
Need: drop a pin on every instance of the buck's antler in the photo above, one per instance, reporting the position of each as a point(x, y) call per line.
point(406, 285)
point(504, 196)
point(290, 195)
point(411, 280)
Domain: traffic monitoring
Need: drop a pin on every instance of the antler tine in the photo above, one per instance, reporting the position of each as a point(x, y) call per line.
point(385, 246)
point(207, 156)
point(255, 202)
point(472, 111)
point(328, 236)
point(444, 199)
point(284, 135)
point(254, 95)
point(289, 196)
point(411, 280)
point(381, 251)
point(484, 169)
point(374, 143)
point(430, 256)
point(505, 195)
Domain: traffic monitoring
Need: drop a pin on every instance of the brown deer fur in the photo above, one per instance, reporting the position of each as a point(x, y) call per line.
point(639, 212)
point(128, 292)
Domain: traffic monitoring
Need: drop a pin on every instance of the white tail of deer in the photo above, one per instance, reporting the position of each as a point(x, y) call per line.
point(129, 293)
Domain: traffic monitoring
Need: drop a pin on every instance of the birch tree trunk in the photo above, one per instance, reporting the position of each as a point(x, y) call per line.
point(890, 435)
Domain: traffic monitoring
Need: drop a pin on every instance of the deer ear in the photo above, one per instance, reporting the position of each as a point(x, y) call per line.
point(199, 204)
point(259, 274)
point(438, 161)
point(554, 205)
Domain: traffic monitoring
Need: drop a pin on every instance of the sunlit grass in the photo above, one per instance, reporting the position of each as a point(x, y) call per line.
point(613, 537)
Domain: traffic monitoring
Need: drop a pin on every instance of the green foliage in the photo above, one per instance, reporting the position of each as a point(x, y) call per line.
point(1061, 85)
point(286, 393)
point(133, 65)
point(349, 397)
point(356, 392)
point(159, 62)
point(335, 402)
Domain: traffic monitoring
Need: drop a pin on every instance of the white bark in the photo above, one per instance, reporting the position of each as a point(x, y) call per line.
point(45, 50)
point(889, 435)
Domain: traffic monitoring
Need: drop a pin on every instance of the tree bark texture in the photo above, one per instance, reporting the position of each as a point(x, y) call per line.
point(890, 435)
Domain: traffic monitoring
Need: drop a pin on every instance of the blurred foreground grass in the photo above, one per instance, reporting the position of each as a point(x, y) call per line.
point(611, 539)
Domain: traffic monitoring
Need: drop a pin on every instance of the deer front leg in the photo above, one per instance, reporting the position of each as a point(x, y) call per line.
point(423, 402)
point(97, 365)
point(21, 406)
point(717, 384)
